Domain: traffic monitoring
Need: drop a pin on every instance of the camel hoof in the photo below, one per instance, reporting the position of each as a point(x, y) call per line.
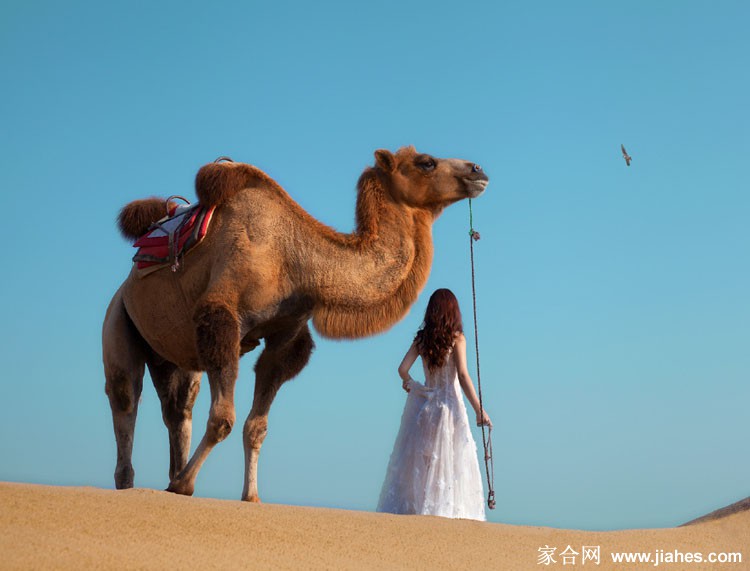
point(180, 488)
point(124, 478)
point(255, 499)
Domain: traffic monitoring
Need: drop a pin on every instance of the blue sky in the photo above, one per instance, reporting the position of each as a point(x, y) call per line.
point(613, 302)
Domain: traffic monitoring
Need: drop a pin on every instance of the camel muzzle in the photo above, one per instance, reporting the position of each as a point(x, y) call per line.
point(475, 186)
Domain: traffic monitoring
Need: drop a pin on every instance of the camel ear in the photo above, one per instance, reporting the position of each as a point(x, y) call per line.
point(385, 160)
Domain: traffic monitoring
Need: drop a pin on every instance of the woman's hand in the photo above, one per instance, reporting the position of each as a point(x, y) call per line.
point(405, 384)
point(483, 419)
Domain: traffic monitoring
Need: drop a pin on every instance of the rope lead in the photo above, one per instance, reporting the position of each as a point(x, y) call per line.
point(489, 464)
point(474, 235)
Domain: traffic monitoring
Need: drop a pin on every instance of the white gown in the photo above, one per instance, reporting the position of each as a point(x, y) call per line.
point(434, 469)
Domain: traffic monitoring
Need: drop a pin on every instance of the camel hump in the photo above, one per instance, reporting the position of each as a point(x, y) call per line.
point(217, 182)
point(137, 217)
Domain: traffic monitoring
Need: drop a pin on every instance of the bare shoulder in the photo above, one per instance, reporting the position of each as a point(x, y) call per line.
point(459, 339)
point(459, 350)
point(413, 349)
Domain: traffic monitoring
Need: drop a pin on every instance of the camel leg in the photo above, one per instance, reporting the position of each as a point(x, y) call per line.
point(123, 351)
point(177, 390)
point(283, 357)
point(218, 343)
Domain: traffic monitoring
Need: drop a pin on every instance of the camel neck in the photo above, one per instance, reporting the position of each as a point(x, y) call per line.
point(366, 284)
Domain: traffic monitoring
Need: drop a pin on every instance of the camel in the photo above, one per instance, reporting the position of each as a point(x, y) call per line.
point(265, 268)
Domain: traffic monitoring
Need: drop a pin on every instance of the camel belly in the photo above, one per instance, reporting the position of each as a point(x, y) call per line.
point(162, 313)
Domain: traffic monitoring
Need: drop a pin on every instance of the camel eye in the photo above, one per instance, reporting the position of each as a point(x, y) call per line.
point(426, 163)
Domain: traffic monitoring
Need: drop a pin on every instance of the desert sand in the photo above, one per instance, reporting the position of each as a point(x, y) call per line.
point(46, 527)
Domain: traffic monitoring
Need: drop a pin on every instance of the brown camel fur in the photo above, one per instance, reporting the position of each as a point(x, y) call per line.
point(264, 269)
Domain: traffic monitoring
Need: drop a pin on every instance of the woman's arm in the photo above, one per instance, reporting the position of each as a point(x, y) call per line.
point(406, 363)
point(465, 380)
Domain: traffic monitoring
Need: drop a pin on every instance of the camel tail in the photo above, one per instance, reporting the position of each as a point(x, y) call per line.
point(137, 217)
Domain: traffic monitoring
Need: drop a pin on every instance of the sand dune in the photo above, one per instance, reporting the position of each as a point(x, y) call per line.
point(44, 527)
point(737, 507)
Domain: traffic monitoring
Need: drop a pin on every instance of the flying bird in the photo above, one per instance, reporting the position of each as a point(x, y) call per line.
point(625, 155)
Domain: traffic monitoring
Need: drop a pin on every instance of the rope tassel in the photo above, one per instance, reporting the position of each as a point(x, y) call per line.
point(489, 464)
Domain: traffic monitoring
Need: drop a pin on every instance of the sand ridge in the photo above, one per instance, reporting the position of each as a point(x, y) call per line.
point(47, 527)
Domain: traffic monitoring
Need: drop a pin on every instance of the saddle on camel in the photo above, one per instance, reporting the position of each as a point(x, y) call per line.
point(169, 239)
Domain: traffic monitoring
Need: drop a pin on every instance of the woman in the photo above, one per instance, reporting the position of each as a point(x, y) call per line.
point(433, 469)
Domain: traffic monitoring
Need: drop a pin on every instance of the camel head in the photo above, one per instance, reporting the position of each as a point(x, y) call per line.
point(427, 182)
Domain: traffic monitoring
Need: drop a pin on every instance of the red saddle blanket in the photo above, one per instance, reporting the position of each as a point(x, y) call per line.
point(173, 236)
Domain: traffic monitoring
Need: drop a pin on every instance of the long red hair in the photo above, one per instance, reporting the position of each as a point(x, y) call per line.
point(442, 320)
